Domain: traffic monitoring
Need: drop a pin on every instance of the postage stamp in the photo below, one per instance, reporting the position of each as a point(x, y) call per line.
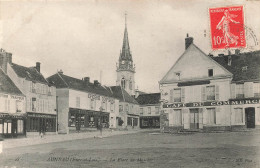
point(227, 27)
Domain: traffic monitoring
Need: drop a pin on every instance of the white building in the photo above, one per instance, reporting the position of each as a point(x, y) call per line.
point(83, 105)
point(12, 108)
point(40, 95)
point(211, 93)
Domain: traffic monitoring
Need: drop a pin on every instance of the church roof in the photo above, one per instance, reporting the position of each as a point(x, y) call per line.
point(153, 98)
point(122, 95)
point(7, 85)
point(126, 53)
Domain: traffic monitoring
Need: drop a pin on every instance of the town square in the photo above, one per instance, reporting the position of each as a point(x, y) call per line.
point(129, 84)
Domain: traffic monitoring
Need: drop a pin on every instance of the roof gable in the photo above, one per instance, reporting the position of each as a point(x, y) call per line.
point(7, 85)
point(194, 64)
point(122, 95)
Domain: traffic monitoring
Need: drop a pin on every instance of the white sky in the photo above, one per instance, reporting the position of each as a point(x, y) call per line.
point(83, 38)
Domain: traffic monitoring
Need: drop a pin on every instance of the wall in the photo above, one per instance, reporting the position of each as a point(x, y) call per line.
point(153, 110)
point(63, 110)
point(8, 103)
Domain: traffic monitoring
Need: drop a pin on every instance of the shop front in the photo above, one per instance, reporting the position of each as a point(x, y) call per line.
point(80, 119)
point(12, 125)
point(132, 121)
point(150, 122)
point(37, 122)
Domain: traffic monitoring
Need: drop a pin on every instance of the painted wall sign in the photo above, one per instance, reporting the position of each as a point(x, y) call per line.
point(12, 96)
point(213, 103)
point(111, 100)
point(41, 115)
point(93, 96)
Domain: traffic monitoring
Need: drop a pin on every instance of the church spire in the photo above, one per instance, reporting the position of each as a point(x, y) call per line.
point(126, 54)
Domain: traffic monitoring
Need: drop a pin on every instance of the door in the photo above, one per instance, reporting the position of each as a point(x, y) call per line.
point(194, 118)
point(250, 117)
point(14, 127)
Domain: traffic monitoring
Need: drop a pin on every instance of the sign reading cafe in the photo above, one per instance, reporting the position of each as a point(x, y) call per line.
point(212, 103)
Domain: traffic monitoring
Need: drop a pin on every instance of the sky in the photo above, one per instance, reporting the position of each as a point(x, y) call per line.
point(84, 38)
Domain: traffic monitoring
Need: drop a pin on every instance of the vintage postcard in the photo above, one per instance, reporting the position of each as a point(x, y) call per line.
point(122, 84)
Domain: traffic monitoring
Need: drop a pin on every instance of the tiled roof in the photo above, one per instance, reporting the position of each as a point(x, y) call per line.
point(63, 81)
point(7, 85)
point(153, 98)
point(29, 73)
point(122, 95)
point(249, 60)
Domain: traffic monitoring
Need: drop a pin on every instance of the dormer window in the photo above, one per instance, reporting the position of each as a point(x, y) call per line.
point(210, 72)
point(244, 68)
point(178, 74)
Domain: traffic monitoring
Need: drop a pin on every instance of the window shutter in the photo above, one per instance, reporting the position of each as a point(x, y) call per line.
point(203, 93)
point(251, 89)
point(218, 116)
point(233, 90)
point(182, 94)
point(186, 118)
point(216, 92)
point(171, 95)
point(201, 118)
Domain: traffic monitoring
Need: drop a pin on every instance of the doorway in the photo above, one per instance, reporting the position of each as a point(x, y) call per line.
point(250, 117)
point(194, 118)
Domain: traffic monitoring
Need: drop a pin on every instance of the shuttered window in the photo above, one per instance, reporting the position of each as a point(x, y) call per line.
point(177, 95)
point(240, 91)
point(210, 92)
point(211, 115)
point(238, 115)
point(257, 90)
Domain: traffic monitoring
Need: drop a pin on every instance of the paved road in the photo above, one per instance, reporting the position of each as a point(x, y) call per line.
point(143, 149)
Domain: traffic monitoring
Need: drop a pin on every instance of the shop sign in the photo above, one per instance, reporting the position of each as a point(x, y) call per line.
point(11, 116)
point(41, 115)
point(212, 103)
point(104, 99)
point(93, 96)
point(17, 97)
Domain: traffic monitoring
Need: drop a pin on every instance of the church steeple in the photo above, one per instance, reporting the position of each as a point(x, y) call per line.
point(125, 67)
point(125, 58)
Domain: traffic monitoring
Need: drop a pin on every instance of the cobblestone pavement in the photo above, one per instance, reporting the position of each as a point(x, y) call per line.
point(142, 149)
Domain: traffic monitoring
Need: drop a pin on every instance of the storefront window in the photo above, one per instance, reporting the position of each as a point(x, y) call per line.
point(72, 119)
point(1, 126)
point(238, 115)
point(129, 121)
point(211, 115)
point(19, 126)
point(210, 92)
point(135, 121)
point(91, 121)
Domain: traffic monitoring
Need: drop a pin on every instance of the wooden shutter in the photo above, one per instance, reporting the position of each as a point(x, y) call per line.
point(216, 92)
point(203, 93)
point(182, 94)
point(186, 118)
point(251, 89)
point(171, 96)
point(246, 89)
point(218, 115)
point(233, 90)
point(200, 118)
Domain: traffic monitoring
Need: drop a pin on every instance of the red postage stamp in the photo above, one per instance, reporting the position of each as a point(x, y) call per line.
point(227, 27)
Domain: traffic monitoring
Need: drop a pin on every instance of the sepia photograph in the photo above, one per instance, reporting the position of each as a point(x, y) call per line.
point(129, 83)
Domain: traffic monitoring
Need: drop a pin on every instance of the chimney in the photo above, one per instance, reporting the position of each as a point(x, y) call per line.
point(38, 67)
point(60, 71)
point(237, 51)
point(188, 41)
point(3, 60)
point(9, 58)
point(229, 58)
point(96, 83)
point(86, 80)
